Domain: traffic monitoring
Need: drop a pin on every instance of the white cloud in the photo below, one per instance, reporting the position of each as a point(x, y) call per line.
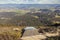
point(30, 1)
point(50, 2)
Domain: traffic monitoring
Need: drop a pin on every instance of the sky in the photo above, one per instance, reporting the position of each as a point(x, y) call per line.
point(29, 1)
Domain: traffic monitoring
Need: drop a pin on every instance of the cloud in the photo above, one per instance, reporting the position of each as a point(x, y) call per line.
point(30, 1)
point(50, 2)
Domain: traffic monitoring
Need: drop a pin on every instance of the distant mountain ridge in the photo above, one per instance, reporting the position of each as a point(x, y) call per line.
point(24, 6)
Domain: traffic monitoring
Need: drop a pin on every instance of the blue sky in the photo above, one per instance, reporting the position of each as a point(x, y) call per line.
point(29, 1)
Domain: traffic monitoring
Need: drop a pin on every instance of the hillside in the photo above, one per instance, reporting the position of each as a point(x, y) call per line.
point(29, 14)
point(45, 17)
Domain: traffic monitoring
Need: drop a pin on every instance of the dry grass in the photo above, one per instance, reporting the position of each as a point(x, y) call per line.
point(7, 33)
